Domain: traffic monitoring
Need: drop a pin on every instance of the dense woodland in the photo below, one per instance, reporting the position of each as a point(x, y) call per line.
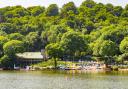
point(90, 31)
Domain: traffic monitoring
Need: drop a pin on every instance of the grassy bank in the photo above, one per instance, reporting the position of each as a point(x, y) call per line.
point(50, 63)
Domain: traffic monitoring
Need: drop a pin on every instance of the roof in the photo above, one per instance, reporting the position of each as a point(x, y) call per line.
point(30, 55)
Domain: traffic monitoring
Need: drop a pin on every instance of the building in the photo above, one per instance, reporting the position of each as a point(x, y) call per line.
point(28, 58)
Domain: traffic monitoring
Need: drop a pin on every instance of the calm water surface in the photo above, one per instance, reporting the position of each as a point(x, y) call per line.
point(63, 80)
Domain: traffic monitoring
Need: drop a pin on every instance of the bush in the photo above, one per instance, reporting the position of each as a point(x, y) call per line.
point(115, 68)
point(122, 57)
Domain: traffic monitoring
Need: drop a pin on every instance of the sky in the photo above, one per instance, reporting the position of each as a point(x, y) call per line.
point(28, 3)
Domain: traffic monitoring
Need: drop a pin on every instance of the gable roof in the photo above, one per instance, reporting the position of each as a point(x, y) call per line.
point(30, 55)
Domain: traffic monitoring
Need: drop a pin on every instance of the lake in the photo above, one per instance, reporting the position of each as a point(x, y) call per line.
point(63, 80)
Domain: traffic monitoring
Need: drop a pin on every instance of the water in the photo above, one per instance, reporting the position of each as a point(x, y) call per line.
point(63, 80)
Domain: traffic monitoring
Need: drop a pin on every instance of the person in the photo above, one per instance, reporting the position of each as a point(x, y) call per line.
point(27, 68)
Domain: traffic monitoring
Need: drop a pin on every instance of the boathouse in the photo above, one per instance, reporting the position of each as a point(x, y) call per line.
point(28, 58)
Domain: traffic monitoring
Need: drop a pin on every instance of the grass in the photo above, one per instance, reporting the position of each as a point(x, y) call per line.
point(51, 63)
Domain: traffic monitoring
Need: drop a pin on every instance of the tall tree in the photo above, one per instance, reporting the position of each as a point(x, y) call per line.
point(73, 42)
point(68, 7)
point(105, 49)
point(55, 51)
point(88, 3)
point(52, 10)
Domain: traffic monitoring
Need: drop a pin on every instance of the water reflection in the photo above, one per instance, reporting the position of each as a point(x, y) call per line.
point(63, 80)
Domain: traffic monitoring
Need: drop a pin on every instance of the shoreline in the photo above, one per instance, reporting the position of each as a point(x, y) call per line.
point(93, 70)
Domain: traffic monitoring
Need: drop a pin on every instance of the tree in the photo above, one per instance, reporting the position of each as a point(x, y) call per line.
point(117, 11)
point(88, 3)
point(108, 48)
point(32, 41)
point(89, 26)
point(55, 51)
point(68, 7)
point(109, 7)
point(105, 49)
point(54, 34)
point(73, 42)
point(101, 15)
point(100, 7)
point(27, 28)
point(124, 45)
point(126, 7)
point(3, 40)
point(12, 47)
point(16, 36)
point(16, 11)
point(6, 62)
point(9, 14)
point(36, 10)
point(115, 34)
point(20, 11)
point(8, 28)
point(70, 23)
point(124, 13)
point(52, 10)
point(2, 33)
